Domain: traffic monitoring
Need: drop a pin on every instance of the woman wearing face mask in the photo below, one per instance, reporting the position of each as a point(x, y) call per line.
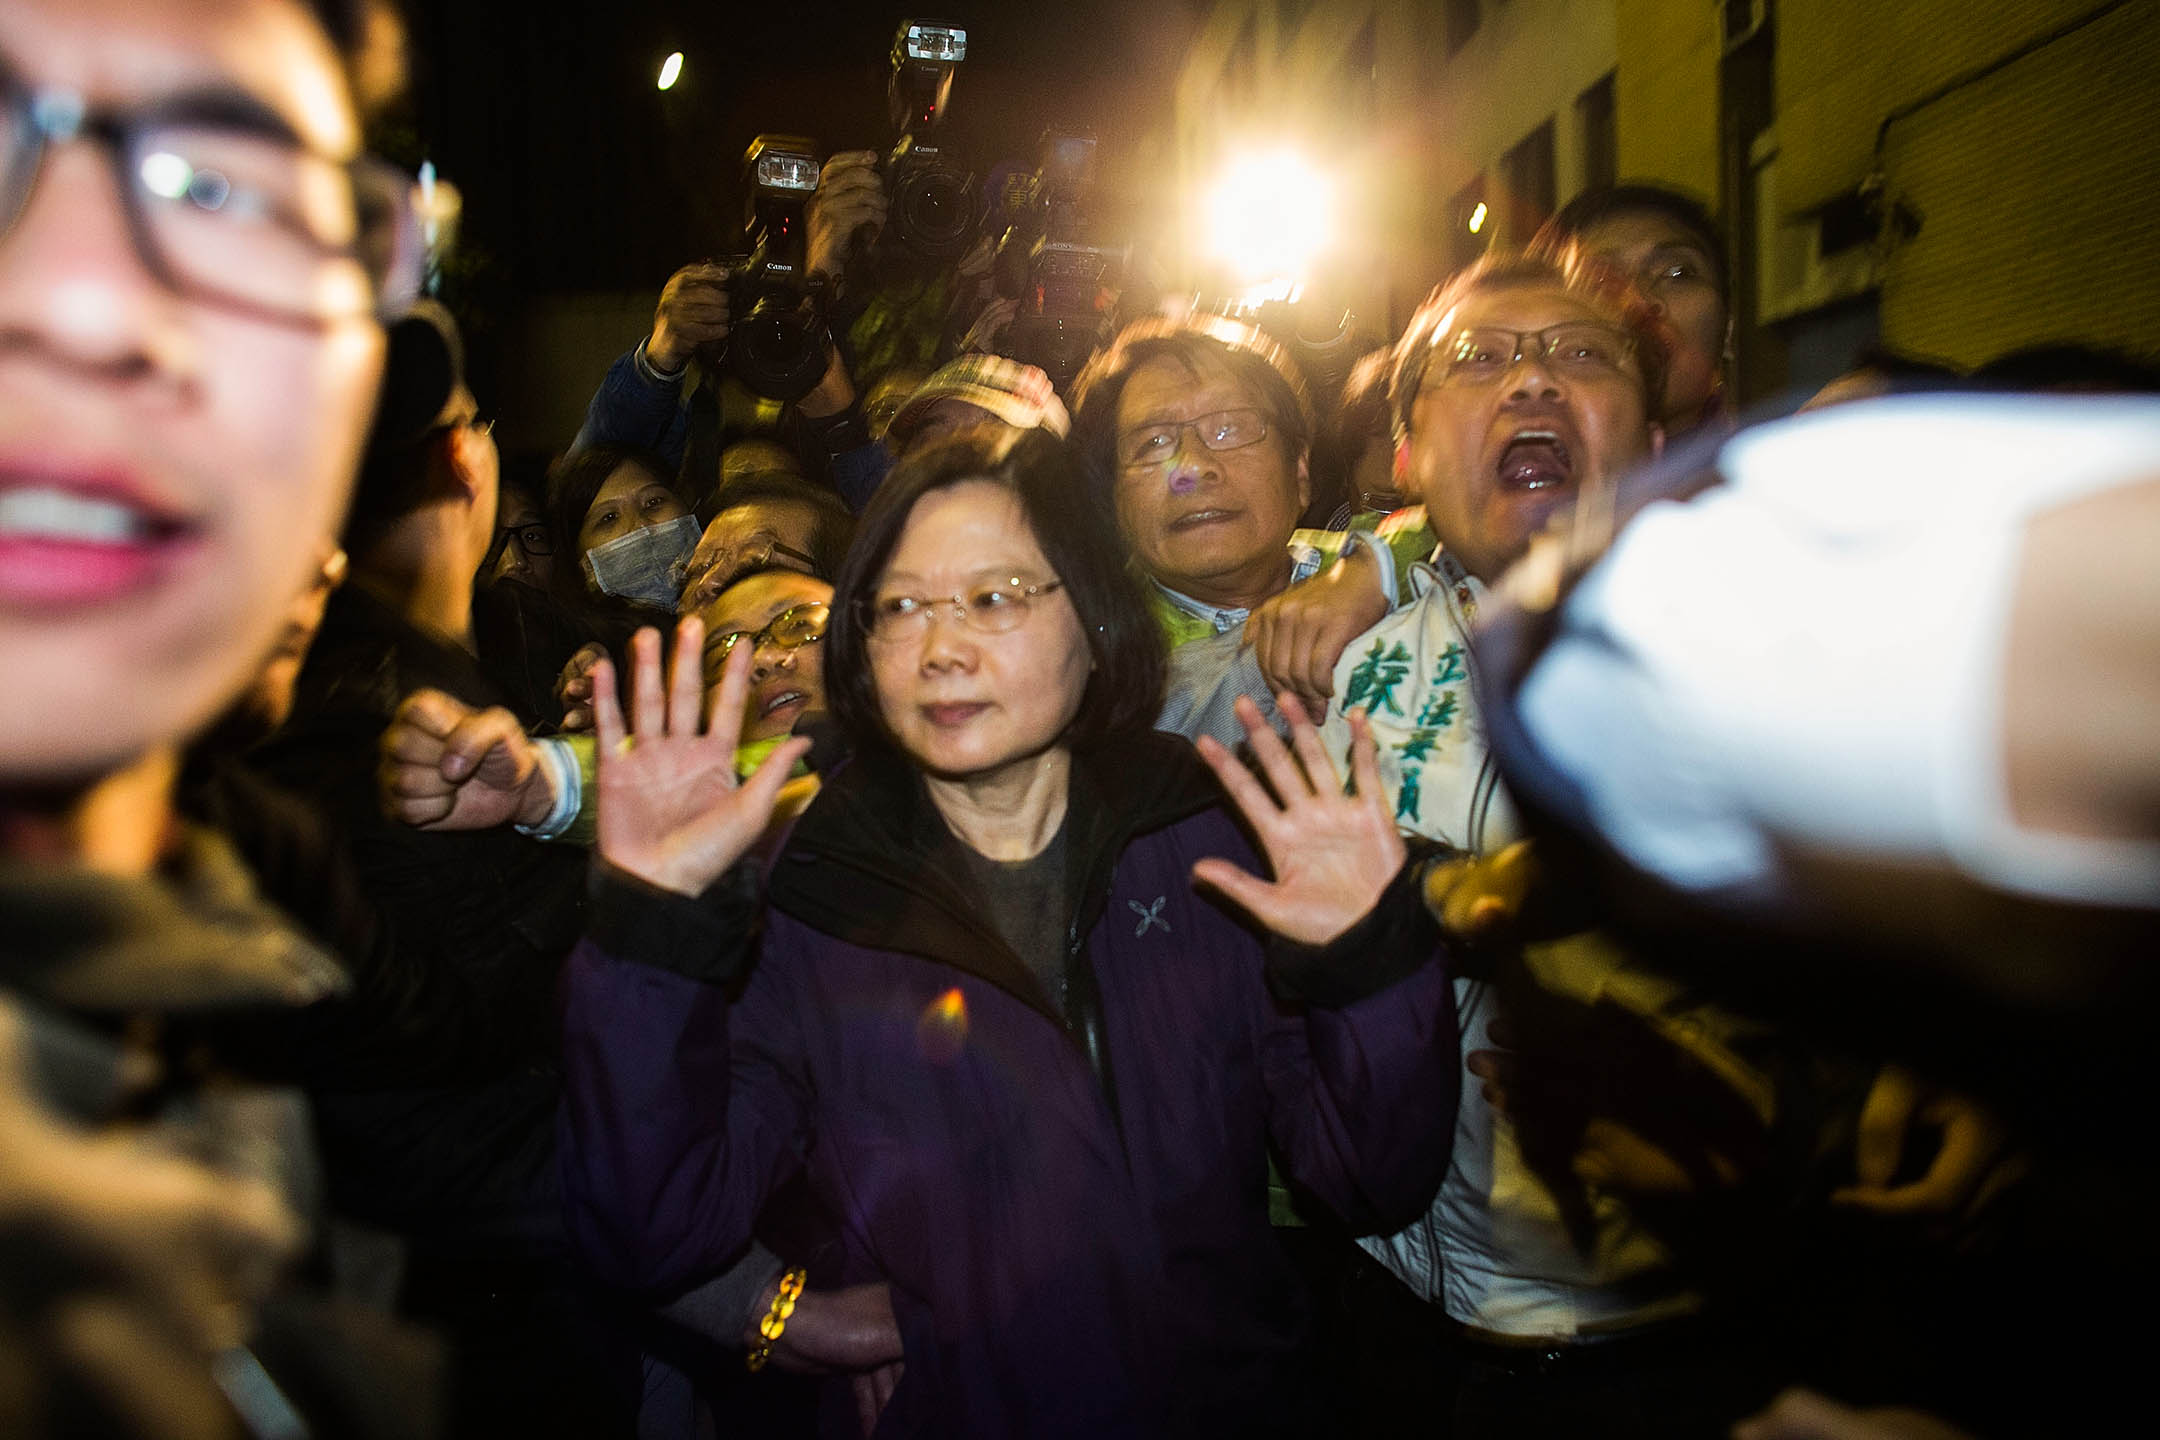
point(622, 532)
point(1031, 1069)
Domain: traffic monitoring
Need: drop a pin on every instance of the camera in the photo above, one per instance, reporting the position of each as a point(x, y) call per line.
point(935, 211)
point(1056, 264)
point(778, 342)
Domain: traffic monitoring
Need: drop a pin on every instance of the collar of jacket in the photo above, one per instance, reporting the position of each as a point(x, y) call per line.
point(873, 863)
point(193, 937)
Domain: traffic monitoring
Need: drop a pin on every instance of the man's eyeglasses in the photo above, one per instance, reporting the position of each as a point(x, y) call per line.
point(532, 539)
point(791, 629)
point(1156, 442)
point(1481, 356)
point(226, 205)
point(992, 608)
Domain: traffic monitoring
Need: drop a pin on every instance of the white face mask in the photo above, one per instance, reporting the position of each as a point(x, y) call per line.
point(646, 565)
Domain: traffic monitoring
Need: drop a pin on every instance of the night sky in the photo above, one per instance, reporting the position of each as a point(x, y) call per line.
point(579, 175)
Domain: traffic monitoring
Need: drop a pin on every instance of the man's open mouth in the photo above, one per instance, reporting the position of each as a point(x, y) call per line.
point(1536, 460)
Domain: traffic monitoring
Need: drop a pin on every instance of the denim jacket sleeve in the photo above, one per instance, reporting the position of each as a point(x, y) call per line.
point(638, 407)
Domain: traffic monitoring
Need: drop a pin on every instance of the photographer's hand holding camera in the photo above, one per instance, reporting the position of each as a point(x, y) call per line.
point(850, 202)
point(692, 314)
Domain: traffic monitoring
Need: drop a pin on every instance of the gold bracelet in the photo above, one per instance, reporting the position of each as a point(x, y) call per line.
point(775, 1321)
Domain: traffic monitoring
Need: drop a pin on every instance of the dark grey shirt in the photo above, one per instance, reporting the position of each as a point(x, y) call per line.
point(1028, 903)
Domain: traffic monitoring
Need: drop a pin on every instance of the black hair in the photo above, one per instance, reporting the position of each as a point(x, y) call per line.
point(1253, 360)
point(1594, 207)
point(832, 526)
point(572, 484)
point(1124, 691)
point(2070, 366)
point(1361, 418)
point(1498, 270)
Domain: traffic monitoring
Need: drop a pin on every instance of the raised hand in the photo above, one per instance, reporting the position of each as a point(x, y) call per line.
point(446, 766)
point(671, 812)
point(693, 313)
point(1333, 854)
point(850, 198)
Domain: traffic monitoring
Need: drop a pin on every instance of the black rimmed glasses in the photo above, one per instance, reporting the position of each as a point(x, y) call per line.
point(1156, 442)
point(1482, 355)
point(226, 204)
point(994, 607)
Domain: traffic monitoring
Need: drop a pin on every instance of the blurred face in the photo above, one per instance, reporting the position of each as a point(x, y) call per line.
point(631, 500)
point(158, 453)
point(768, 610)
point(765, 533)
point(962, 702)
point(521, 530)
point(1209, 523)
point(1679, 277)
point(1497, 457)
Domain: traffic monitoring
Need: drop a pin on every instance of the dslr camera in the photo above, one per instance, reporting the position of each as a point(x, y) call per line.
point(1055, 263)
point(778, 341)
point(934, 211)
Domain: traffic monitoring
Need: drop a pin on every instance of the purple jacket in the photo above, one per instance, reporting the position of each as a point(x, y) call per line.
point(1072, 1213)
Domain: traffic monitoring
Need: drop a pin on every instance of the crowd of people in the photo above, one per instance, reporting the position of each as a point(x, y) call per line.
point(1497, 896)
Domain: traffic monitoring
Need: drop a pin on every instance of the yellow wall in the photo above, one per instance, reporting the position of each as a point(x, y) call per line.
point(1667, 93)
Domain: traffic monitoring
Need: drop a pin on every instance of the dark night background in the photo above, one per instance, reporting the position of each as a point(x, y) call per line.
point(580, 176)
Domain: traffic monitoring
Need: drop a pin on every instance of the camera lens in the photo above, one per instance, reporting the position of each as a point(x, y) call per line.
point(778, 350)
point(936, 212)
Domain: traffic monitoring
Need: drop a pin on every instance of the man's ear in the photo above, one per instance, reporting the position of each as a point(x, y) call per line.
point(462, 463)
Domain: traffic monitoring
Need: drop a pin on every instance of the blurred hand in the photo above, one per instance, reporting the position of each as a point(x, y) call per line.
point(692, 314)
point(978, 260)
point(850, 198)
point(1805, 1415)
point(1969, 1168)
point(850, 1329)
point(1479, 897)
point(988, 332)
point(573, 688)
point(1298, 636)
point(671, 812)
point(1333, 854)
point(447, 766)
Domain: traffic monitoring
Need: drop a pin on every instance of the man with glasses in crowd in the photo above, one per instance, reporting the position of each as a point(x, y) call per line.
point(195, 272)
point(1520, 395)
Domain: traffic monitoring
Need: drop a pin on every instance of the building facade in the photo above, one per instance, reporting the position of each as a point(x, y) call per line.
point(1947, 179)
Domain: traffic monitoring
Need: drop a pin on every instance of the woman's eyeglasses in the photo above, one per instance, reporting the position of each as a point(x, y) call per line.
point(992, 608)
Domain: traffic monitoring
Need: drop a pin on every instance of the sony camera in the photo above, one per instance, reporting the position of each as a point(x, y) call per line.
point(1057, 263)
point(778, 341)
point(935, 210)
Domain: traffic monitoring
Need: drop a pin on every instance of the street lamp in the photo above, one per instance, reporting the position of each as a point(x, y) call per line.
point(670, 70)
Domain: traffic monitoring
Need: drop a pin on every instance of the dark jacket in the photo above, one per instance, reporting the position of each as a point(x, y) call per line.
point(1072, 1216)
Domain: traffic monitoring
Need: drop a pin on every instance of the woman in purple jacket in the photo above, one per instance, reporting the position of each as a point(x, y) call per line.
point(1032, 1073)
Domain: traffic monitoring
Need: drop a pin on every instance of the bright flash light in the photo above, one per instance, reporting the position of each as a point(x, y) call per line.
point(1270, 216)
point(671, 70)
point(1477, 218)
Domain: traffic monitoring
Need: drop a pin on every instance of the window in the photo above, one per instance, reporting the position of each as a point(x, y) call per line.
point(1600, 141)
point(1527, 173)
point(1462, 19)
